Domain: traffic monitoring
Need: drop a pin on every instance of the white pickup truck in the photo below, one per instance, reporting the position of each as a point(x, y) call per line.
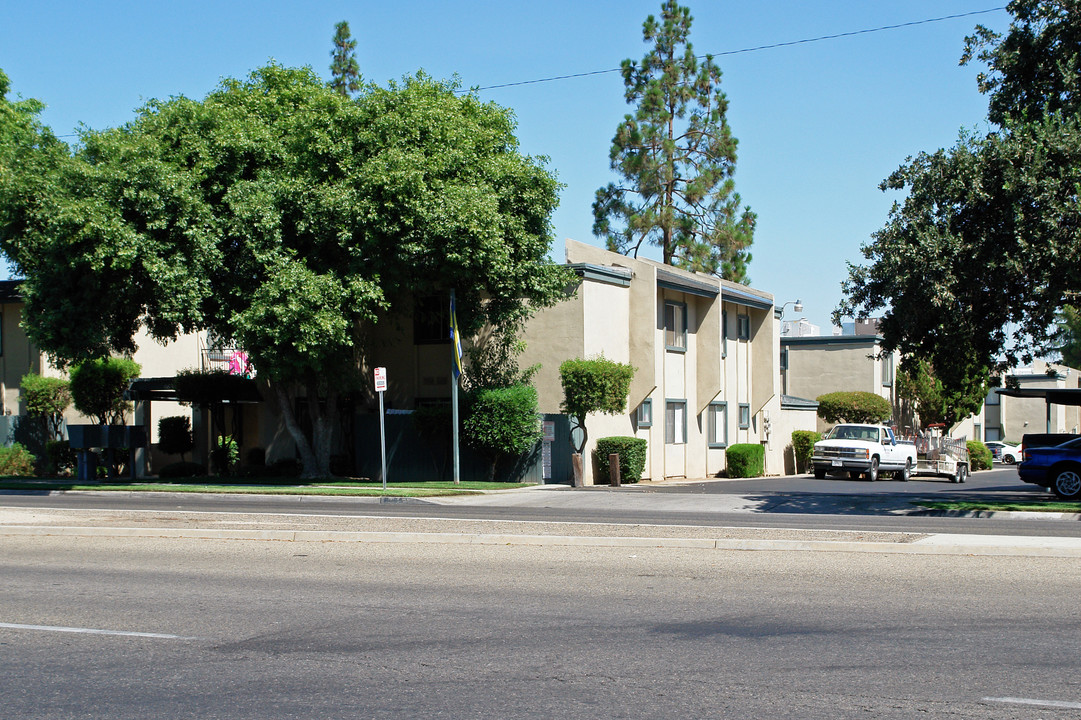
point(863, 450)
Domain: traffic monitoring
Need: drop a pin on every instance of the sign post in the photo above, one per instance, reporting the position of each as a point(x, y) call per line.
point(380, 387)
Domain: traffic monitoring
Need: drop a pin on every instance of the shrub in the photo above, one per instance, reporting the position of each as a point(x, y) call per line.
point(225, 456)
point(174, 435)
point(16, 461)
point(60, 458)
point(803, 443)
point(181, 470)
point(746, 460)
point(46, 398)
point(632, 456)
point(97, 388)
point(979, 455)
point(855, 407)
point(503, 421)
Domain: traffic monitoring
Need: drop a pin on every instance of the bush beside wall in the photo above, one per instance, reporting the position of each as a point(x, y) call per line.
point(746, 460)
point(632, 457)
point(803, 443)
point(979, 455)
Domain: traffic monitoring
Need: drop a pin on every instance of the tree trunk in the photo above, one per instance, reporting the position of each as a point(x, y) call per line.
point(310, 466)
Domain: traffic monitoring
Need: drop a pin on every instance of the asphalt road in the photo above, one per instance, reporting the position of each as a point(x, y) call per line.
point(242, 629)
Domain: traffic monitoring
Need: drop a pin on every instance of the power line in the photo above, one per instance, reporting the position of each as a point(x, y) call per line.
point(759, 47)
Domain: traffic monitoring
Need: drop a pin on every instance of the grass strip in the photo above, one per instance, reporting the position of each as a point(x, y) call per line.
point(1020, 506)
point(267, 486)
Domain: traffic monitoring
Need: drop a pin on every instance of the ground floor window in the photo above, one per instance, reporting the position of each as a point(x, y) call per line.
point(675, 422)
point(717, 424)
point(744, 416)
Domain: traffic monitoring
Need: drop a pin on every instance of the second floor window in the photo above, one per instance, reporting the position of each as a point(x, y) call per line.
point(675, 326)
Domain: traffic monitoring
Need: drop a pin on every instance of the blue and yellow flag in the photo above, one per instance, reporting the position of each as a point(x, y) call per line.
point(455, 338)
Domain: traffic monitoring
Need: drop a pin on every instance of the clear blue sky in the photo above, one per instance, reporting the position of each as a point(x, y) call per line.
point(819, 124)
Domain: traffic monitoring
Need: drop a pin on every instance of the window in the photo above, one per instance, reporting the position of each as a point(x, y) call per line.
point(784, 358)
point(744, 416)
point(644, 415)
point(977, 432)
point(744, 326)
point(717, 424)
point(431, 320)
point(887, 370)
point(993, 398)
point(675, 422)
point(675, 326)
point(724, 333)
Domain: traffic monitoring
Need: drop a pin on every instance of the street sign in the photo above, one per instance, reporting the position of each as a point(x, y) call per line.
point(380, 379)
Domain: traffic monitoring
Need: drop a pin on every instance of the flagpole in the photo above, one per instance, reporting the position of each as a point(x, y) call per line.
point(454, 375)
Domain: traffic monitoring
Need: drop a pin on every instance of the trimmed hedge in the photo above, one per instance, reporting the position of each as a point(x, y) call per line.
point(853, 407)
point(979, 455)
point(632, 457)
point(745, 460)
point(803, 444)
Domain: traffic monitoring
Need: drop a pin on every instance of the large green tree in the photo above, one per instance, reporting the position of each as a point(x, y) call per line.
point(290, 218)
point(918, 384)
point(976, 260)
point(344, 70)
point(676, 156)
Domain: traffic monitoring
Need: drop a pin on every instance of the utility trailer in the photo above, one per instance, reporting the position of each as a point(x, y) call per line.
point(942, 456)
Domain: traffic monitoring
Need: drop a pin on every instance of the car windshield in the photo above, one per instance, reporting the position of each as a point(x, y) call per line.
point(850, 432)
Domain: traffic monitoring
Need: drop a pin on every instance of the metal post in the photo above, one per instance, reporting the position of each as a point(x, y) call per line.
point(454, 396)
point(382, 441)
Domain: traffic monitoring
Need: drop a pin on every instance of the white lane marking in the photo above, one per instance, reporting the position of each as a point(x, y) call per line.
point(92, 631)
point(1029, 701)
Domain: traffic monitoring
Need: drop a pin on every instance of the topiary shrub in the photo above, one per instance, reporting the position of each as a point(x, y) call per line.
point(16, 461)
point(181, 470)
point(745, 460)
point(174, 435)
point(853, 407)
point(632, 456)
point(803, 443)
point(979, 455)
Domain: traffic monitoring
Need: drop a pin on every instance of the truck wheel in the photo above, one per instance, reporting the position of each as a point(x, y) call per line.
point(872, 472)
point(1067, 484)
point(906, 474)
point(820, 473)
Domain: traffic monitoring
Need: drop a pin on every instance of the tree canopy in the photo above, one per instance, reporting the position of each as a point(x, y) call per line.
point(282, 215)
point(985, 248)
point(676, 156)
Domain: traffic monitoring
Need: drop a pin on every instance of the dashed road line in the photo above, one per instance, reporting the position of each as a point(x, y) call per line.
point(93, 631)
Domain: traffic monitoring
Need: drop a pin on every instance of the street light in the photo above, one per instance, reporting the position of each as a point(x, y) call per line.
point(797, 305)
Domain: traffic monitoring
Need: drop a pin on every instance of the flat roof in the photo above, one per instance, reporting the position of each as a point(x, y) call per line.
point(1052, 396)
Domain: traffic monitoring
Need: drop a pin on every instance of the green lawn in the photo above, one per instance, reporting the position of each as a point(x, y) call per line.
point(1025, 506)
point(265, 486)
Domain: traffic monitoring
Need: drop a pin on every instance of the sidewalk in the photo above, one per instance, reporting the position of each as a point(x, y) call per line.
point(316, 527)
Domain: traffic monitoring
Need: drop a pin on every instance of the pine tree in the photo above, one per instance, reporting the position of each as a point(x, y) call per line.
point(676, 156)
point(344, 71)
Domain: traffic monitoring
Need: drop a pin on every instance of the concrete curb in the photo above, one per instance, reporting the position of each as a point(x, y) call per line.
point(981, 545)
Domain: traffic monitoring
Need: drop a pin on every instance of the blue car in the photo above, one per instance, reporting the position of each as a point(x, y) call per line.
point(1057, 468)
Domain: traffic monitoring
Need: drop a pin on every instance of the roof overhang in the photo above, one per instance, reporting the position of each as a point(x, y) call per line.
point(1052, 396)
point(682, 283)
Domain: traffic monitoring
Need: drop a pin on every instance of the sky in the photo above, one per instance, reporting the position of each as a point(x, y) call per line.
point(820, 124)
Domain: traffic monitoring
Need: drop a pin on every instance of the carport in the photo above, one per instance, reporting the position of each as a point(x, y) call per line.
point(1050, 396)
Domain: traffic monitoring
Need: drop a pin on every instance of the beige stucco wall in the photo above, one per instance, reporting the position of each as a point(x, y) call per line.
point(17, 358)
